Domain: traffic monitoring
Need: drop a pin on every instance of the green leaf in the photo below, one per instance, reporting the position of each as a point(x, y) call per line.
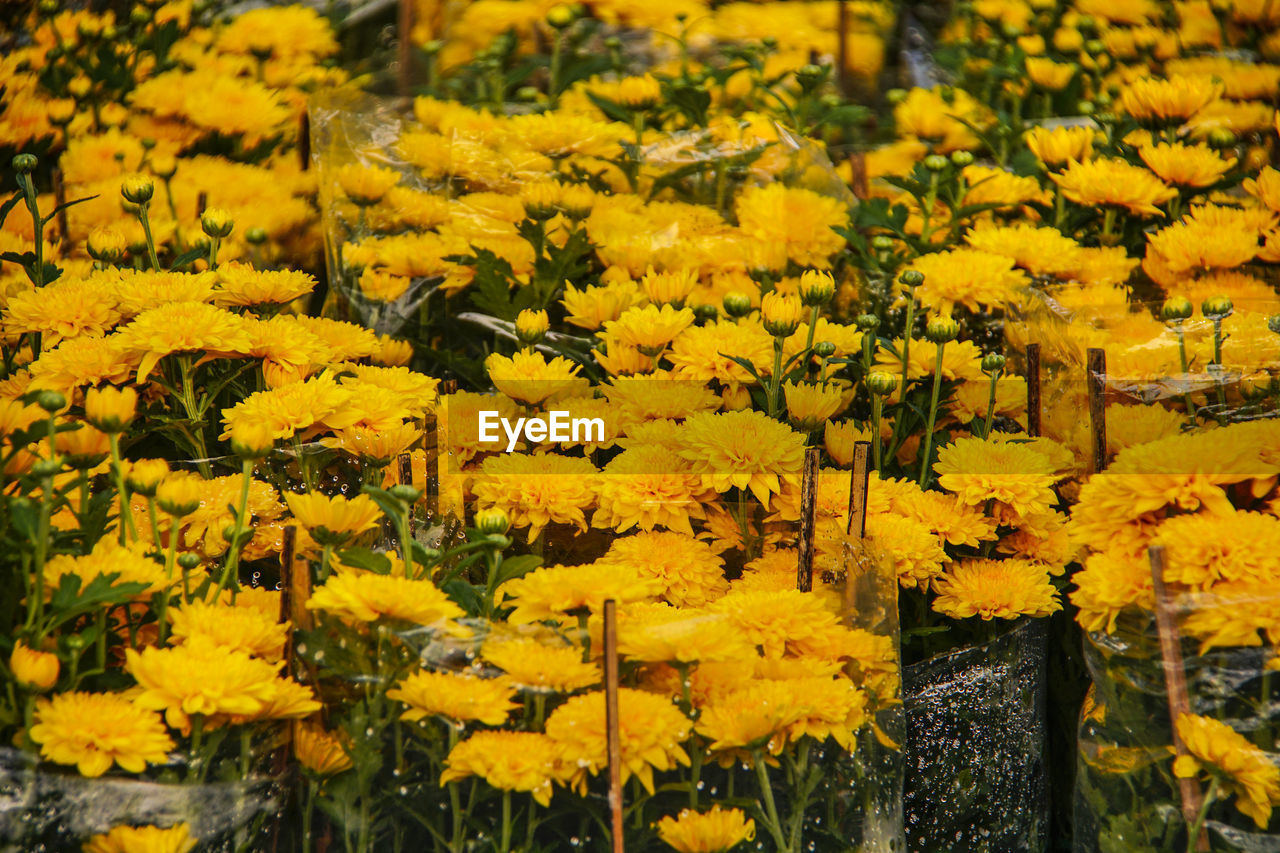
point(364, 558)
point(9, 205)
point(64, 206)
point(187, 257)
point(465, 595)
point(515, 567)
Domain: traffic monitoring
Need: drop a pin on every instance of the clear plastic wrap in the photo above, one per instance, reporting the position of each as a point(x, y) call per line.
point(1127, 794)
point(975, 746)
point(45, 808)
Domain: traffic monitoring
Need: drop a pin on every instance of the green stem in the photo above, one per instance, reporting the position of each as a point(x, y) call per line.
point(29, 193)
point(775, 380)
point(906, 357)
point(171, 559)
point(774, 825)
point(126, 513)
point(991, 405)
point(933, 416)
point(146, 230)
point(194, 415)
point(877, 450)
point(1182, 356)
point(1193, 833)
point(505, 845)
point(553, 85)
point(326, 554)
point(230, 574)
point(213, 253)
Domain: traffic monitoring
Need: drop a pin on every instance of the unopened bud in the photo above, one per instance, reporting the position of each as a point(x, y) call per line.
point(941, 330)
point(881, 384)
point(1216, 307)
point(737, 304)
point(993, 363)
point(1176, 309)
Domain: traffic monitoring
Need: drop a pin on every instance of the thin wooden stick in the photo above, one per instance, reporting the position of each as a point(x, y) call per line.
point(1175, 678)
point(304, 141)
point(431, 481)
point(859, 482)
point(613, 732)
point(858, 175)
point(808, 520)
point(60, 198)
point(1097, 378)
point(1033, 390)
point(404, 49)
point(202, 202)
point(404, 473)
point(288, 545)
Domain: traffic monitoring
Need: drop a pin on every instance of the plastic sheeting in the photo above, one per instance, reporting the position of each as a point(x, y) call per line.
point(975, 777)
point(1127, 798)
point(45, 809)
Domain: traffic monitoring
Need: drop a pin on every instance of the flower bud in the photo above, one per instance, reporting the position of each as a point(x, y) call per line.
point(737, 304)
point(110, 409)
point(560, 16)
point(406, 493)
point(251, 439)
point(140, 16)
point(1222, 137)
point(492, 522)
point(881, 384)
point(816, 288)
point(1273, 323)
point(1176, 309)
point(895, 96)
point(47, 467)
point(705, 313)
point(993, 363)
point(145, 475)
point(867, 322)
point(810, 76)
point(941, 330)
point(137, 189)
point(188, 560)
point(1216, 307)
point(216, 222)
point(911, 278)
point(531, 326)
point(34, 670)
point(962, 158)
point(163, 166)
point(51, 401)
point(106, 245)
point(881, 243)
point(48, 8)
point(61, 111)
point(781, 314)
point(640, 93)
point(255, 236)
point(935, 162)
point(25, 164)
point(824, 349)
point(179, 496)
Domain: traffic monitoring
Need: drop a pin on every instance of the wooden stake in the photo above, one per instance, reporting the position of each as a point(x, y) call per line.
point(288, 544)
point(299, 583)
point(859, 482)
point(431, 482)
point(1033, 390)
point(1097, 378)
point(202, 201)
point(808, 520)
point(60, 198)
point(1175, 679)
point(404, 49)
point(611, 721)
point(858, 175)
point(404, 473)
point(304, 141)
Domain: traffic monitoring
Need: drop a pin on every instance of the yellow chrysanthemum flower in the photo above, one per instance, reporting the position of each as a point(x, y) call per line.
point(1058, 146)
point(1172, 99)
point(93, 731)
point(554, 592)
point(108, 557)
point(245, 629)
point(592, 307)
point(649, 329)
point(649, 486)
point(366, 185)
point(537, 490)
point(1186, 165)
point(460, 698)
point(800, 220)
point(531, 664)
point(656, 632)
point(690, 573)
point(969, 277)
point(714, 831)
point(242, 285)
point(1014, 475)
point(529, 377)
point(1223, 753)
point(331, 520)
point(365, 596)
point(995, 589)
point(746, 450)
point(508, 761)
point(1206, 548)
point(1039, 251)
point(204, 678)
point(142, 839)
point(319, 752)
point(702, 353)
point(651, 731)
point(1113, 182)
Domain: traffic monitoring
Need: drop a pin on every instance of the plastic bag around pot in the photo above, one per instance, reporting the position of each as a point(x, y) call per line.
point(976, 731)
point(49, 809)
point(1127, 795)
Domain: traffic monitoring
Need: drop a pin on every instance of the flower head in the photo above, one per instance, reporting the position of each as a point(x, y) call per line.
point(365, 596)
point(459, 698)
point(508, 761)
point(1174, 99)
point(995, 589)
point(332, 520)
point(746, 450)
point(319, 752)
point(554, 592)
point(529, 377)
point(1058, 146)
point(110, 409)
point(530, 663)
point(1113, 182)
point(95, 730)
point(1186, 165)
point(33, 669)
point(713, 831)
point(1246, 771)
point(537, 490)
point(142, 839)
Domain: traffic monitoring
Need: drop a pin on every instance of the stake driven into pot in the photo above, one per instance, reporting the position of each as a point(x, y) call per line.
point(612, 731)
point(808, 520)
point(1033, 390)
point(1096, 374)
point(1175, 678)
